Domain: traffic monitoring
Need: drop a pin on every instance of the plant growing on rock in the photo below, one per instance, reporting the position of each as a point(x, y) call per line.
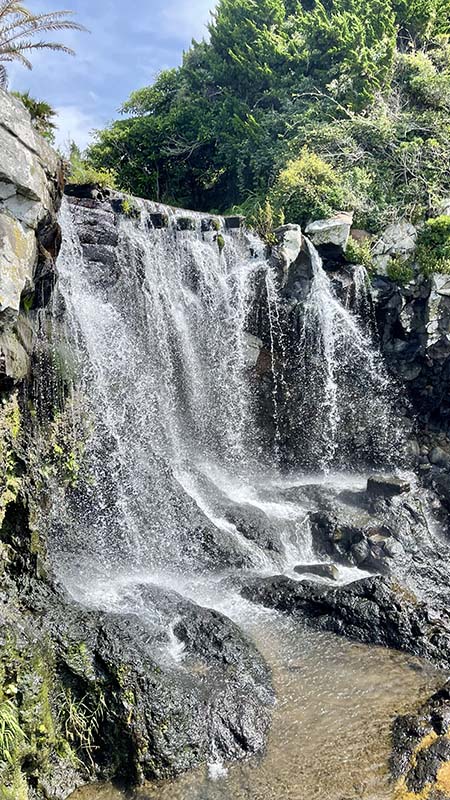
point(400, 270)
point(81, 172)
point(42, 114)
point(19, 28)
point(433, 246)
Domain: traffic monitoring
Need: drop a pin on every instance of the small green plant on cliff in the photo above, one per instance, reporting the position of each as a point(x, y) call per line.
point(130, 208)
point(308, 188)
point(10, 481)
point(400, 270)
point(433, 246)
point(360, 253)
point(19, 27)
point(80, 172)
point(80, 720)
point(260, 216)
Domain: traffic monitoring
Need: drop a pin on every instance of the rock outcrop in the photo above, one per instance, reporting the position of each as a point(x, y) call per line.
point(372, 610)
point(420, 762)
point(31, 182)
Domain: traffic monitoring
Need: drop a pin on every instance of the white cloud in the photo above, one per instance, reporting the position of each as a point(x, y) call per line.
point(74, 125)
point(190, 18)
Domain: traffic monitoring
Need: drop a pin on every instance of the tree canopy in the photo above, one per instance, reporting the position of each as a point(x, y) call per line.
point(363, 86)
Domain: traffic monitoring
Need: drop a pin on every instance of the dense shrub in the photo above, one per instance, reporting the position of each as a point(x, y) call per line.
point(82, 172)
point(359, 253)
point(400, 270)
point(433, 246)
point(309, 188)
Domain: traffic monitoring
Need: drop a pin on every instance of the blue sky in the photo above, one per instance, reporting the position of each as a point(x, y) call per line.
point(129, 43)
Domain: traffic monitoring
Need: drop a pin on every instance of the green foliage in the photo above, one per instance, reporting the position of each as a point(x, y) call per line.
point(308, 188)
point(433, 246)
point(130, 208)
point(400, 270)
point(359, 253)
point(42, 115)
point(10, 480)
point(81, 172)
point(11, 734)
point(355, 94)
point(19, 27)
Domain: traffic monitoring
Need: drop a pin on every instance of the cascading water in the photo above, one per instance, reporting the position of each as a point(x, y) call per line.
point(166, 372)
point(344, 415)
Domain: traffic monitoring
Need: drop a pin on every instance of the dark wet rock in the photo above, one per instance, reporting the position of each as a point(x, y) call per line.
point(321, 570)
point(210, 224)
point(420, 757)
point(186, 223)
point(87, 191)
point(255, 525)
point(440, 482)
point(390, 486)
point(372, 610)
point(160, 716)
point(159, 219)
point(233, 223)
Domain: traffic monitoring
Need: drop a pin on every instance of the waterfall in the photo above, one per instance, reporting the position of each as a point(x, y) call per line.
point(163, 357)
point(165, 385)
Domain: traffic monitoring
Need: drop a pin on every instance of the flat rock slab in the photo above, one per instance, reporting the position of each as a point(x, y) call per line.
point(322, 570)
point(381, 486)
point(372, 610)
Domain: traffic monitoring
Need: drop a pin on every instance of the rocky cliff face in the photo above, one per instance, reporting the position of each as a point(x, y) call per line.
point(31, 183)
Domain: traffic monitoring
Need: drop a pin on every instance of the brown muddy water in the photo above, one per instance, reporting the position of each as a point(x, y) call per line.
point(330, 734)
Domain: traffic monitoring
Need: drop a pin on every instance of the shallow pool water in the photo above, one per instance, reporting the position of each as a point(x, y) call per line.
point(330, 735)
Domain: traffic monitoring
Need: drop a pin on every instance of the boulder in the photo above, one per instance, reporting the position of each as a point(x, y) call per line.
point(330, 236)
point(387, 486)
point(255, 525)
point(253, 349)
point(18, 257)
point(440, 457)
point(399, 239)
point(373, 610)
point(287, 250)
point(162, 712)
point(321, 570)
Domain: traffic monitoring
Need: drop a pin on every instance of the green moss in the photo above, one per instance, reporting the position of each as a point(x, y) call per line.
point(220, 242)
point(10, 429)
